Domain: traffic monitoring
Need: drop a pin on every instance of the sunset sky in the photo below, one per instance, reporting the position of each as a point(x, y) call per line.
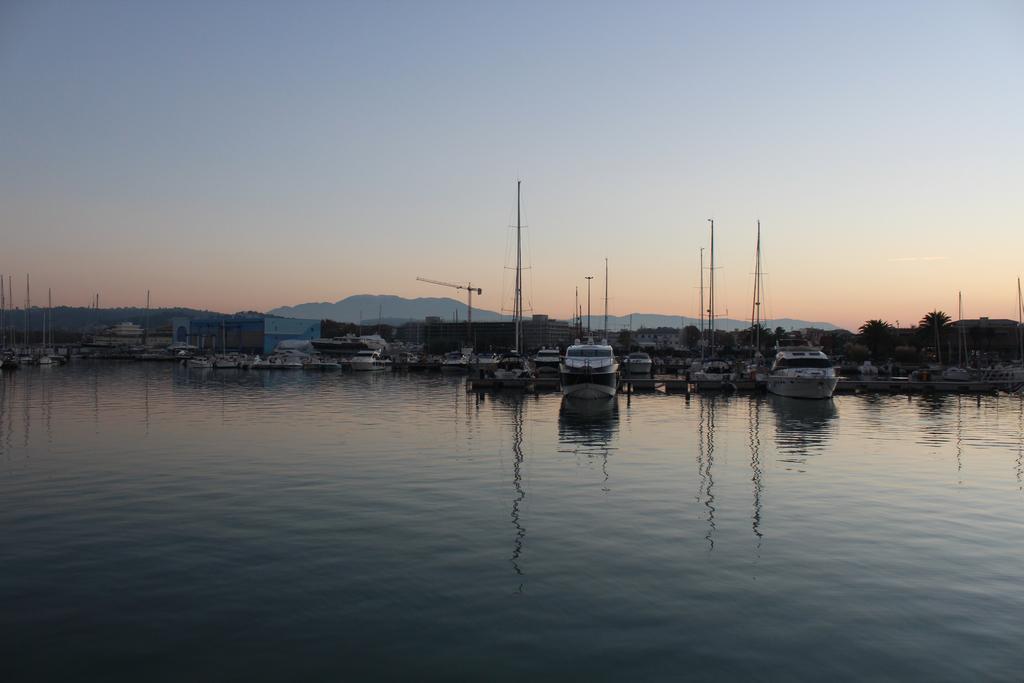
point(247, 155)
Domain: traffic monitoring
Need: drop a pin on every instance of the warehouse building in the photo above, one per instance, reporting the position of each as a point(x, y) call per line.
point(242, 334)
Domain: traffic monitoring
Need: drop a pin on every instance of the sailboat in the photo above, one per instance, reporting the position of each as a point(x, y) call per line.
point(960, 373)
point(710, 369)
point(514, 364)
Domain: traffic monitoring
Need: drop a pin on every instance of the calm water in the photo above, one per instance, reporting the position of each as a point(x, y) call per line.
point(160, 523)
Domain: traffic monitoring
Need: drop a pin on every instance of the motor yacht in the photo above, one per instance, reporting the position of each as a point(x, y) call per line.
point(589, 370)
point(370, 360)
point(199, 362)
point(802, 371)
point(547, 361)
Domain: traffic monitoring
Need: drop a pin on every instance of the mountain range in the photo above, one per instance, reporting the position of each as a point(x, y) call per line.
point(364, 309)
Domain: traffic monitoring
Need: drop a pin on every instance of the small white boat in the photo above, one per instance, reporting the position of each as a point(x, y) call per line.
point(512, 365)
point(455, 361)
point(370, 361)
point(227, 361)
point(320, 363)
point(546, 361)
point(199, 362)
point(802, 371)
point(484, 362)
point(711, 370)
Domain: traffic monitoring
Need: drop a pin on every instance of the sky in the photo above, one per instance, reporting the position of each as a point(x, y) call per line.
point(247, 155)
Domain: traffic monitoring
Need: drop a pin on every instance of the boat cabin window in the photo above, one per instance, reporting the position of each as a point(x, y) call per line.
point(589, 353)
point(803, 363)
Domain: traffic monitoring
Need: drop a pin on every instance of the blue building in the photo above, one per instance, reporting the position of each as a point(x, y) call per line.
point(242, 334)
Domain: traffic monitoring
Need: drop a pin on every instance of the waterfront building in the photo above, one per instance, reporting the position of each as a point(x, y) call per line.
point(437, 335)
point(242, 333)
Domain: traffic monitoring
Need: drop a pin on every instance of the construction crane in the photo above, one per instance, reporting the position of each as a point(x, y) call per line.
point(469, 290)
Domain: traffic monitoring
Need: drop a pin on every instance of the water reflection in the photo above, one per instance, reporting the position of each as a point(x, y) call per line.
point(802, 427)
point(589, 427)
point(705, 463)
point(756, 468)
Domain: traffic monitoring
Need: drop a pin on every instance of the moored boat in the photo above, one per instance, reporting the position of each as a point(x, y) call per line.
point(589, 370)
point(802, 371)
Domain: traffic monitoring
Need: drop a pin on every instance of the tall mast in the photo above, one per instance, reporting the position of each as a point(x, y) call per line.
point(145, 330)
point(49, 316)
point(755, 312)
point(606, 298)
point(517, 302)
point(960, 330)
point(702, 303)
point(3, 313)
point(711, 289)
point(28, 304)
point(1020, 322)
point(590, 330)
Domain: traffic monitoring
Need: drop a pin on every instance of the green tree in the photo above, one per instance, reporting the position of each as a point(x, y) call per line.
point(877, 335)
point(935, 323)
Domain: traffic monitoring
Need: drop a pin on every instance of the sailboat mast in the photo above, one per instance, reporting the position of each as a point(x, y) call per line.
point(711, 289)
point(702, 303)
point(3, 313)
point(755, 312)
point(28, 304)
point(960, 330)
point(606, 297)
point(576, 308)
point(517, 306)
point(145, 330)
point(1020, 322)
point(49, 316)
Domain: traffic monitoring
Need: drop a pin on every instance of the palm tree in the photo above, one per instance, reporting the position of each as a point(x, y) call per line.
point(877, 336)
point(937, 321)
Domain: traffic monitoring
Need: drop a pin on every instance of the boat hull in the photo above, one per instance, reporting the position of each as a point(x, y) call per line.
point(592, 385)
point(803, 387)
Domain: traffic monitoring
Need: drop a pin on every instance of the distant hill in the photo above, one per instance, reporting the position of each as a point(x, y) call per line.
point(394, 310)
point(728, 324)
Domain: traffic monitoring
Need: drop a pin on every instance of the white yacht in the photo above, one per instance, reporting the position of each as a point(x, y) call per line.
point(370, 360)
point(227, 360)
point(455, 361)
point(350, 344)
point(546, 361)
point(802, 371)
point(637, 363)
point(199, 362)
point(589, 371)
